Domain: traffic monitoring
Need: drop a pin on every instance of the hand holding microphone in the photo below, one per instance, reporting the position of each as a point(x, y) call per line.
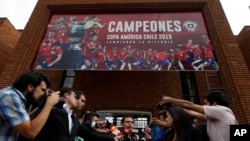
point(115, 131)
point(125, 132)
point(125, 135)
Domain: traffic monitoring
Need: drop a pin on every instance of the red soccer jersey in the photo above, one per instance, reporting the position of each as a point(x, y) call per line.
point(92, 49)
point(63, 36)
point(157, 56)
point(208, 43)
point(91, 32)
point(150, 55)
point(188, 47)
point(208, 53)
point(138, 55)
point(163, 55)
point(113, 55)
point(181, 55)
point(44, 51)
point(101, 56)
point(53, 53)
point(122, 54)
point(51, 41)
point(197, 52)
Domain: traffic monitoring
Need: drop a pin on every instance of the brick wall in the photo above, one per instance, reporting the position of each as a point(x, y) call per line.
point(126, 90)
point(8, 40)
point(244, 43)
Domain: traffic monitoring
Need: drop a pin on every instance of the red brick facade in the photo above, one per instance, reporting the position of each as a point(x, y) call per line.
point(139, 90)
point(244, 43)
point(8, 40)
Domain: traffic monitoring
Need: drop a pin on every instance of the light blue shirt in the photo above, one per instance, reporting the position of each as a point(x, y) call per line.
point(12, 112)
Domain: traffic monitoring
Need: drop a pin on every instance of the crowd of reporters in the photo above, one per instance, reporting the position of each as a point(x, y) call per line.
point(30, 111)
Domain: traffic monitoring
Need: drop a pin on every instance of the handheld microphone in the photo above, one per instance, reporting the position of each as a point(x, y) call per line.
point(125, 132)
point(126, 135)
point(114, 131)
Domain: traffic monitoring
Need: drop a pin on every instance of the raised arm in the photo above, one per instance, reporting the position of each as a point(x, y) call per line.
point(182, 103)
point(88, 134)
point(196, 115)
point(32, 127)
point(158, 122)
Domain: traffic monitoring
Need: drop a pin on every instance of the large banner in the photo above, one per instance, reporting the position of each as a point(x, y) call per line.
point(134, 42)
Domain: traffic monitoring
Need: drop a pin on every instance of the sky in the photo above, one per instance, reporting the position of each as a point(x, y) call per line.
point(18, 12)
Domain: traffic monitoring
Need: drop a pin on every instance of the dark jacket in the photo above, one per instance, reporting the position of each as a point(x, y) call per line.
point(57, 129)
point(191, 134)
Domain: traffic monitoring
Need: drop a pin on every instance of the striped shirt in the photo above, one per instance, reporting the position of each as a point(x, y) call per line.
point(12, 112)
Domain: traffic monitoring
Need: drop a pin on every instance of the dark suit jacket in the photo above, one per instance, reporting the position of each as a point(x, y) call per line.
point(57, 129)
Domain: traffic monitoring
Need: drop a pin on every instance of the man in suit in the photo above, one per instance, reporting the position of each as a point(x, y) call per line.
point(63, 124)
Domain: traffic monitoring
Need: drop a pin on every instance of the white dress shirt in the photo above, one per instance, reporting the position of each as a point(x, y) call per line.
point(69, 111)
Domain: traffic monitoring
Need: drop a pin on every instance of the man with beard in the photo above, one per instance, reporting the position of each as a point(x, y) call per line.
point(27, 90)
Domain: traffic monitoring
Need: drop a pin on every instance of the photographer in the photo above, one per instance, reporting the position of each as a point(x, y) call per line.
point(27, 90)
point(63, 124)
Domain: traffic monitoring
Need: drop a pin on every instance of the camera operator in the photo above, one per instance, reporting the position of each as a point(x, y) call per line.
point(27, 90)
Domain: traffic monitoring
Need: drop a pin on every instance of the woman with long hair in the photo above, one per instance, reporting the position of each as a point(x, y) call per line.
point(181, 128)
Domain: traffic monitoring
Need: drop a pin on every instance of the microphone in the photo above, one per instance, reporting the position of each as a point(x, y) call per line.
point(125, 132)
point(115, 131)
point(126, 135)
